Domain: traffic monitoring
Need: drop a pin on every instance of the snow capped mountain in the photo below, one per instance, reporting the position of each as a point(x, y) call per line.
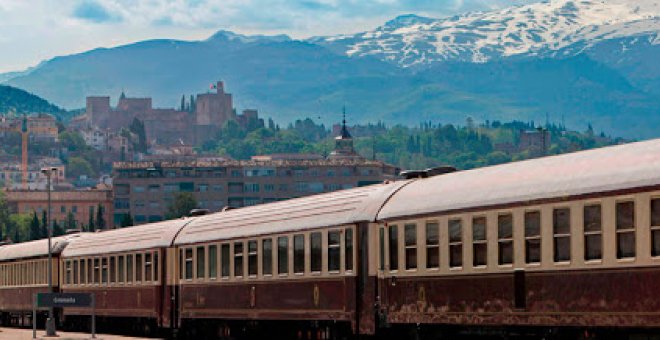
point(539, 29)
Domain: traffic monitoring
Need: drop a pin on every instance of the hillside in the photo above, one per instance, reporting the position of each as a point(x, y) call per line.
point(19, 101)
point(583, 62)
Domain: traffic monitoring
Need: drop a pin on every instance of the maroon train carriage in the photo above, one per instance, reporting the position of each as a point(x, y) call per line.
point(23, 273)
point(128, 271)
point(295, 268)
point(569, 241)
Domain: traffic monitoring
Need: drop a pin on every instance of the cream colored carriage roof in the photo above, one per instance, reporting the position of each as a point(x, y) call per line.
point(593, 171)
point(36, 248)
point(324, 210)
point(146, 236)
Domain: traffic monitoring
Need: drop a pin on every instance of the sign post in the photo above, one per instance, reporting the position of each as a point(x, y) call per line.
point(63, 300)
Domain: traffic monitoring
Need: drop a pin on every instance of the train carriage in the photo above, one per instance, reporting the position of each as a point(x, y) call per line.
point(297, 260)
point(570, 240)
point(127, 271)
point(23, 273)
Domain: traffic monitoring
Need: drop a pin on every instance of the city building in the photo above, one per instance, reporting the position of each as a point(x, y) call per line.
point(81, 204)
point(41, 127)
point(146, 189)
point(11, 173)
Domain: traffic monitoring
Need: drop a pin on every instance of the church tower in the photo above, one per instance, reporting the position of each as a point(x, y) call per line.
point(344, 143)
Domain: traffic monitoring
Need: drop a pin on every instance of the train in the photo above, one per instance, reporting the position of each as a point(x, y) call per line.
point(563, 246)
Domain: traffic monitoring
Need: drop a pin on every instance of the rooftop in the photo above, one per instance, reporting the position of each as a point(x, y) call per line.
point(248, 163)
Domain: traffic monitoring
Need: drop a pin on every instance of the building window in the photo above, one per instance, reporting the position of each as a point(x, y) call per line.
point(216, 187)
point(432, 246)
point(203, 187)
point(224, 270)
point(154, 188)
point(625, 229)
point(533, 237)
point(267, 256)
point(505, 239)
point(251, 187)
point(186, 186)
point(283, 255)
point(592, 232)
point(348, 244)
point(655, 227)
point(213, 261)
point(238, 259)
point(269, 187)
point(189, 264)
point(394, 247)
point(170, 187)
point(410, 238)
point(334, 251)
point(479, 243)
point(201, 263)
point(299, 254)
point(74, 209)
point(252, 258)
point(317, 252)
point(561, 228)
point(455, 243)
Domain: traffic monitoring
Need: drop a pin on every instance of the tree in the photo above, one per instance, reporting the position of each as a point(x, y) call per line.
point(35, 232)
point(4, 215)
point(79, 166)
point(90, 223)
point(72, 140)
point(57, 230)
point(43, 230)
point(193, 104)
point(126, 220)
point(70, 221)
point(183, 203)
point(100, 220)
point(137, 127)
point(183, 103)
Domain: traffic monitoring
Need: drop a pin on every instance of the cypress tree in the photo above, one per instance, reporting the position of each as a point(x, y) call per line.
point(35, 232)
point(183, 102)
point(44, 224)
point(100, 222)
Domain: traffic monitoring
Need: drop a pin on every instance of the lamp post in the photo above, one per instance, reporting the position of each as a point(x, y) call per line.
point(50, 322)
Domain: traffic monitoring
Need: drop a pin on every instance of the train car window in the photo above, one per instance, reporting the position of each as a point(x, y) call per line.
point(68, 272)
point(148, 265)
point(505, 239)
point(224, 260)
point(113, 269)
point(283, 255)
point(334, 251)
point(213, 261)
point(238, 259)
point(655, 227)
point(97, 270)
point(201, 263)
point(410, 239)
point(593, 240)
point(90, 271)
point(348, 250)
point(104, 270)
point(267, 256)
point(561, 226)
point(533, 237)
point(455, 243)
point(189, 264)
point(382, 248)
point(129, 268)
point(181, 264)
point(156, 265)
point(83, 271)
point(299, 254)
point(394, 247)
point(252, 258)
point(432, 245)
point(120, 269)
point(138, 268)
point(316, 242)
point(625, 229)
point(76, 263)
point(479, 243)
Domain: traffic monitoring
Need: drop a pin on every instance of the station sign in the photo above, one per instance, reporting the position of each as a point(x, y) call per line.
point(61, 300)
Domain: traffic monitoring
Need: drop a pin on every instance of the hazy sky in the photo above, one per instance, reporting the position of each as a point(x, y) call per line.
point(35, 30)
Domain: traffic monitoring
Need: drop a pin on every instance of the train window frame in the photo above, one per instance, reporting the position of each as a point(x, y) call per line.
point(456, 243)
point(188, 263)
point(238, 259)
point(148, 267)
point(225, 261)
point(112, 269)
point(213, 261)
point(105, 270)
point(252, 259)
point(283, 268)
point(139, 268)
point(590, 232)
point(316, 252)
point(393, 248)
point(503, 239)
point(411, 261)
point(561, 236)
point(200, 263)
point(632, 230)
point(381, 245)
point(333, 245)
point(267, 257)
point(67, 270)
point(299, 257)
point(121, 271)
point(97, 271)
point(654, 220)
point(432, 246)
point(531, 239)
point(349, 250)
point(130, 266)
point(479, 245)
point(76, 271)
point(156, 267)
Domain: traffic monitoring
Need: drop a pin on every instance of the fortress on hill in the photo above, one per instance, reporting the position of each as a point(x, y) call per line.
point(168, 126)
